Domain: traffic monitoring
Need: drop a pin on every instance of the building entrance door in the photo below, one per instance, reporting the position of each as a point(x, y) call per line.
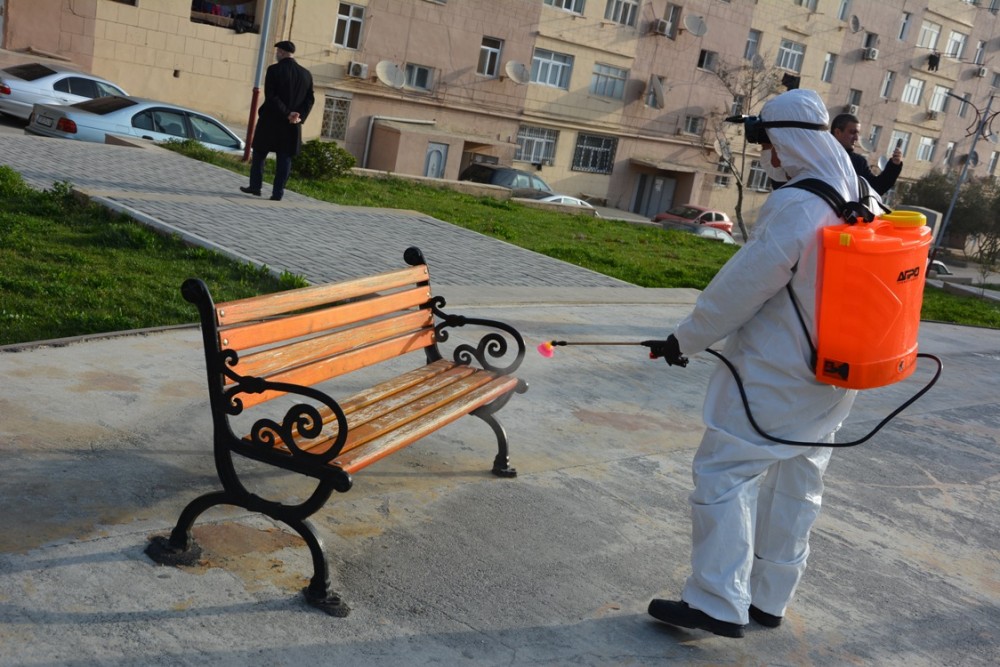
point(436, 159)
point(654, 194)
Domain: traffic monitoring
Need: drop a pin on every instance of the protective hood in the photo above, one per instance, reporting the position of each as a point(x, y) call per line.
point(808, 153)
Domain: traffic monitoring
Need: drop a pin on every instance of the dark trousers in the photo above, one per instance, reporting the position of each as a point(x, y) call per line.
point(282, 168)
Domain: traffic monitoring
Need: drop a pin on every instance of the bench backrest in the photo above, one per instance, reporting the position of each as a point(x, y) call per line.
point(310, 335)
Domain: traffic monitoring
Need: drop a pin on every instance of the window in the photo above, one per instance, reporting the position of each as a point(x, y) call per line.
point(673, 18)
point(874, 134)
point(963, 106)
point(871, 40)
point(956, 44)
point(949, 153)
point(708, 60)
point(594, 153)
point(790, 55)
point(904, 25)
point(901, 138)
point(829, 63)
point(737, 108)
point(419, 76)
point(551, 69)
point(489, 57)
point(238, 17)
point(126, 2)
point(939, 99)
point(980, 52)
point(207, 130)
point(753, 44)
point(350, 18)
point(652, 100)
point(336, 111)
point(722, 176)
point(164, 121)
point(808, 4)
point(996, 80)
point(622, 11)
point(854, 97)
point(608, 81)
point(929, 34)
point(913, 90)
point(757, 180)
point(75, 85)
point(575, 6)
point(536, 144)
point(845, 9)
point(887, 82)
point(694, 124)
point(925, 151)
point(992, 166)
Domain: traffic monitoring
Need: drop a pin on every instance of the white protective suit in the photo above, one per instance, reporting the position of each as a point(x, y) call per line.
point(755, 501)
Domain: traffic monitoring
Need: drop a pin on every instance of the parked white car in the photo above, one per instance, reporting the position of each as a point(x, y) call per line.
point(95, 119)
point(24, 86)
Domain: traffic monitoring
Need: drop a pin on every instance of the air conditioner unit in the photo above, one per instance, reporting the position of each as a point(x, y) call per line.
point(981, 72)
point(852, 109)
point(661, 27)
point(870, 54)
point(932, 114)
point(357, 70)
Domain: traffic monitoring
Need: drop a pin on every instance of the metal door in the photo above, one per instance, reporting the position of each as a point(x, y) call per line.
point(654, 194)
point(436, 159)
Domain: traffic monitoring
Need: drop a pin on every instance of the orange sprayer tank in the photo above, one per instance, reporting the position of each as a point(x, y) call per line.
point(870, 293)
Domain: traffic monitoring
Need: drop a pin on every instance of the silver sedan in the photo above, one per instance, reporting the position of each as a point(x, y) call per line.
point(24, 86)
point(136, 117)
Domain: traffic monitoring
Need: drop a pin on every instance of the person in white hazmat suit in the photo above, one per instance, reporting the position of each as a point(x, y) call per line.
point(755, 501)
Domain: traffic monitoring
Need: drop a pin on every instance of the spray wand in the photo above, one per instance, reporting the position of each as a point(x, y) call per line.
point(656, 347)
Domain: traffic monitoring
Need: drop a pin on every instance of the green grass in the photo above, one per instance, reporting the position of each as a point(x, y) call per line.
point(72, 268)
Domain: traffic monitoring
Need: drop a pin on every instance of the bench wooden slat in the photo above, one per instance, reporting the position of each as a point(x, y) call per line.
point(302, 352)
point(360, 419)
point(258, 307)
point(326, 369)
point(295, 326)
point(395, 440)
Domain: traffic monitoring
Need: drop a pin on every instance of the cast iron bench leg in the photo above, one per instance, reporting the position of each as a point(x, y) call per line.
point(501, 464)
point(180, 548)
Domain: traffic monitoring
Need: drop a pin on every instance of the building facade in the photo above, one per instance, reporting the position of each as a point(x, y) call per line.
point(620, 101)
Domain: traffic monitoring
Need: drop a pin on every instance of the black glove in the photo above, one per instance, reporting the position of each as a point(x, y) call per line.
point(669, 349)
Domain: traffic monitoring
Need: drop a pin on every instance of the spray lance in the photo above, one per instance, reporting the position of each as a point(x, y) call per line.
point(669, 350)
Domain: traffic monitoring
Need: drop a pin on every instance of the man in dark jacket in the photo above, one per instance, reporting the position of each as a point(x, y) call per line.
point(846, 129)
point(288, 99)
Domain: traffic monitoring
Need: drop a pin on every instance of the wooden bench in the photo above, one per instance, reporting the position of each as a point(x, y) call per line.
point(265, 357)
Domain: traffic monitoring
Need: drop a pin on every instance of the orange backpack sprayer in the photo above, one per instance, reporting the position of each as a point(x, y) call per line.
point(868, 301)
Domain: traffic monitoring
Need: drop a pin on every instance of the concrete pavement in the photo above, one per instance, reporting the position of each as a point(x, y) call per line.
point(105, 441)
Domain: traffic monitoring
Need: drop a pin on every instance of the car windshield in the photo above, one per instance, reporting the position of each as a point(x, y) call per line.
point(684, 212)
point(30, 71)
point(105, 105)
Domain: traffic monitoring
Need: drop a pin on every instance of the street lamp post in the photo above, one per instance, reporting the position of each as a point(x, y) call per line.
point(984, 121)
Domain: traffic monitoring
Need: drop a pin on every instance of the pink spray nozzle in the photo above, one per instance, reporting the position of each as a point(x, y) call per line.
point(546, 349)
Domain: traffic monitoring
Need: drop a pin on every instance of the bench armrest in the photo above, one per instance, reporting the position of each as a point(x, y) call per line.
point(495, 345)
point(302, 421)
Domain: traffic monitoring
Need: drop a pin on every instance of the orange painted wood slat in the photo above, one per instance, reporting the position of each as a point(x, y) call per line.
point(336, 316)
point(395, 440)
point(300, 353)
point(325, 369)
point(268, 305)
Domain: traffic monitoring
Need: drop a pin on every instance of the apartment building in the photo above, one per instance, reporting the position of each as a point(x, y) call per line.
point(618, 100)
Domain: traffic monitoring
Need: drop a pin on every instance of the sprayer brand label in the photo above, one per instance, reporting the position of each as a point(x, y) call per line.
point(908, 274)
point(836, 369)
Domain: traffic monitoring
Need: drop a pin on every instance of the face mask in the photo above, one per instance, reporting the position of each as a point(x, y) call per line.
point(774, 173)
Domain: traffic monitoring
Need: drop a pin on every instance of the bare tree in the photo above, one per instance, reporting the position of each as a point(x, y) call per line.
point(749, 84)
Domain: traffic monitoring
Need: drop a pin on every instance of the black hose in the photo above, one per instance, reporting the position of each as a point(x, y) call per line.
point(892, 415)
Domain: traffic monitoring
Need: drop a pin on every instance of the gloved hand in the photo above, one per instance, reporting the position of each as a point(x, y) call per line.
point(669, 349)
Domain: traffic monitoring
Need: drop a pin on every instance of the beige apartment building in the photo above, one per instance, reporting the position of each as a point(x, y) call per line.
point(616, 100)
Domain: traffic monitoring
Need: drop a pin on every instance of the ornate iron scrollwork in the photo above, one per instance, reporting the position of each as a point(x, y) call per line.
point(493, 345)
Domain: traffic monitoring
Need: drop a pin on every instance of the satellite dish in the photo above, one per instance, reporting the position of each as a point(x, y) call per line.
point(390, 74)
point(517, 72)
point(657, 86)
point(695, 25)
point(855, 23)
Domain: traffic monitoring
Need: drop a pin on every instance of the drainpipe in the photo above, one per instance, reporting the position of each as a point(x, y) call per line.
point(371, 127)
point(262, 49)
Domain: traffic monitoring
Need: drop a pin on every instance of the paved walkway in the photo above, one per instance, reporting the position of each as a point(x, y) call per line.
point(104, 442)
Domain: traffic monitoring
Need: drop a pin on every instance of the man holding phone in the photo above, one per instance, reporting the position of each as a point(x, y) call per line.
point(846, 129)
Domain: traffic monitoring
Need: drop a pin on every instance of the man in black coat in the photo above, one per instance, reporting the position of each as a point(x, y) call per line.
point(288, 99)
point(846, 129)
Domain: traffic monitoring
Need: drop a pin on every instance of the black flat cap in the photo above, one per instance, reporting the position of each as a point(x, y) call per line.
point(285, 46)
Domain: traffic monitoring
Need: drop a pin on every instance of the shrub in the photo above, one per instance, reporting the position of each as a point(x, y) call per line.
point(322, 160)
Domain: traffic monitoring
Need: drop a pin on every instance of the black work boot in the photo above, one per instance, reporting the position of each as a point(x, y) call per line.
point(764, 618)
point(683, 616)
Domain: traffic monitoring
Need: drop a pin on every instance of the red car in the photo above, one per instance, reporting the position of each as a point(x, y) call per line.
point(698, 215)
